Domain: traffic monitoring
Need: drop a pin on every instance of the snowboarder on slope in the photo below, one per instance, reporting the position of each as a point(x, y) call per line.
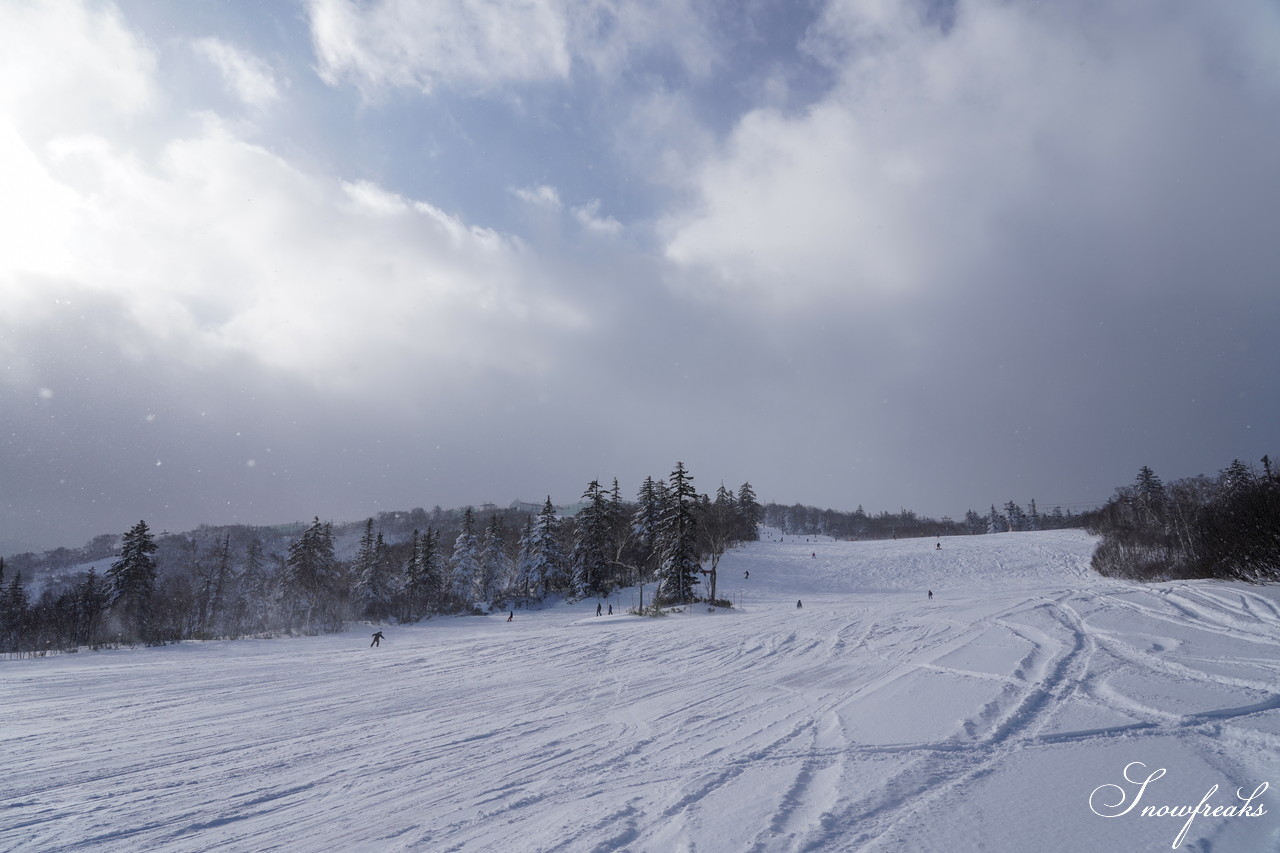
point(798, 604)
point(931, 595)
point(746, 575)
point(599, 608)
point(511, 615)
point(610, 609)
point(377, 638)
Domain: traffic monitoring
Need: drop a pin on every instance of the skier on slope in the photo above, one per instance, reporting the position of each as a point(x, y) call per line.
point(377, 639)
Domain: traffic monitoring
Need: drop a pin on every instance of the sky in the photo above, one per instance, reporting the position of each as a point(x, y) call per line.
point(264, 262)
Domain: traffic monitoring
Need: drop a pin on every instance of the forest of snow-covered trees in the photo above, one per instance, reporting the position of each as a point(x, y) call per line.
point(238, 581)
point(1225, 527)
point(905, 524)
point(300, 579)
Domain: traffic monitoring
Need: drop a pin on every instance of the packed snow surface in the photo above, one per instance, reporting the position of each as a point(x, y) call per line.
point(1019, 710)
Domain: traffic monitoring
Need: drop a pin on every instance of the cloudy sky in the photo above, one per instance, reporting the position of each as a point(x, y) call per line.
point(261, 262)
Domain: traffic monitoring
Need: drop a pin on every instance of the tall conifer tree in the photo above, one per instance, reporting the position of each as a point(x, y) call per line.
point(549, 566)
point(591, 545)
point(132, 578)
point(749, 512)
point(679, 567)
point(314, 581)
point(494, 564)
point(465, 564)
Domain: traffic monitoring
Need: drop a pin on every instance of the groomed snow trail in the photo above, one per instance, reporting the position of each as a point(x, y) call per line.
point(869, 719)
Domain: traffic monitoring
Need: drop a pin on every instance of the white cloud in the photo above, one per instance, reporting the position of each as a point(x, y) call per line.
point(35, 222)
point(247, 77)
point(940, 146)
point(664, 128)
point(588, 216)
point(547, 198)
point(65, 70)
point(66, 67)
point(540, 196)
point(607, 35)
point(456, 42)
point(481, 45)
point(226, 248)
point(221, 248)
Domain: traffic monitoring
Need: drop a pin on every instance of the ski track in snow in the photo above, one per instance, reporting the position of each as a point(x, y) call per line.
point(870, 719)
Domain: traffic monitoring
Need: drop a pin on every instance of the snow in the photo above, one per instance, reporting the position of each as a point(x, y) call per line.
point(991, 718)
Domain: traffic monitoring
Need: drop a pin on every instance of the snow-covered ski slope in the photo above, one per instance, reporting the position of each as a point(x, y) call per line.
point(992, 718)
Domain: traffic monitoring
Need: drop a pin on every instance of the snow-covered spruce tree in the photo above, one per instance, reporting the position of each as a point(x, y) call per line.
point(621, 540)
point(435, 563)
point(495, 566)
point(365, 556)
point(13, 614)
point(589, 559)
point(313, 581)
point(996, 522)
point(678, 537)
point(1149, 497)
point(254, 610)
point(420, 592)
point(1235, 478)
point(408, 607)
point(549, 568)
point(974, 523)
point(646, 522)
point(132, 578)
point(91, 600)
point(464, 566)
point(377, 586)
point(524, 581)
point(1017, 518)
point(749, 514)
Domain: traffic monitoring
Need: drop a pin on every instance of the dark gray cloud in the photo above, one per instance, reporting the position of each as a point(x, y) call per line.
point(929, 261)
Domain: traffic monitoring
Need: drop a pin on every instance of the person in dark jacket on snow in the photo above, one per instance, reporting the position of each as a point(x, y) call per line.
point(377, 638)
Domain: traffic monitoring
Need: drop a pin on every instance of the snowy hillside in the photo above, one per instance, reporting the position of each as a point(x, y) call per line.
point(990, 718)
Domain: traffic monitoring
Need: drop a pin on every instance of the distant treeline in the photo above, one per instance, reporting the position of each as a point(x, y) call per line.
point(1225, 527)
point(230, 582)
point(905, 524)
